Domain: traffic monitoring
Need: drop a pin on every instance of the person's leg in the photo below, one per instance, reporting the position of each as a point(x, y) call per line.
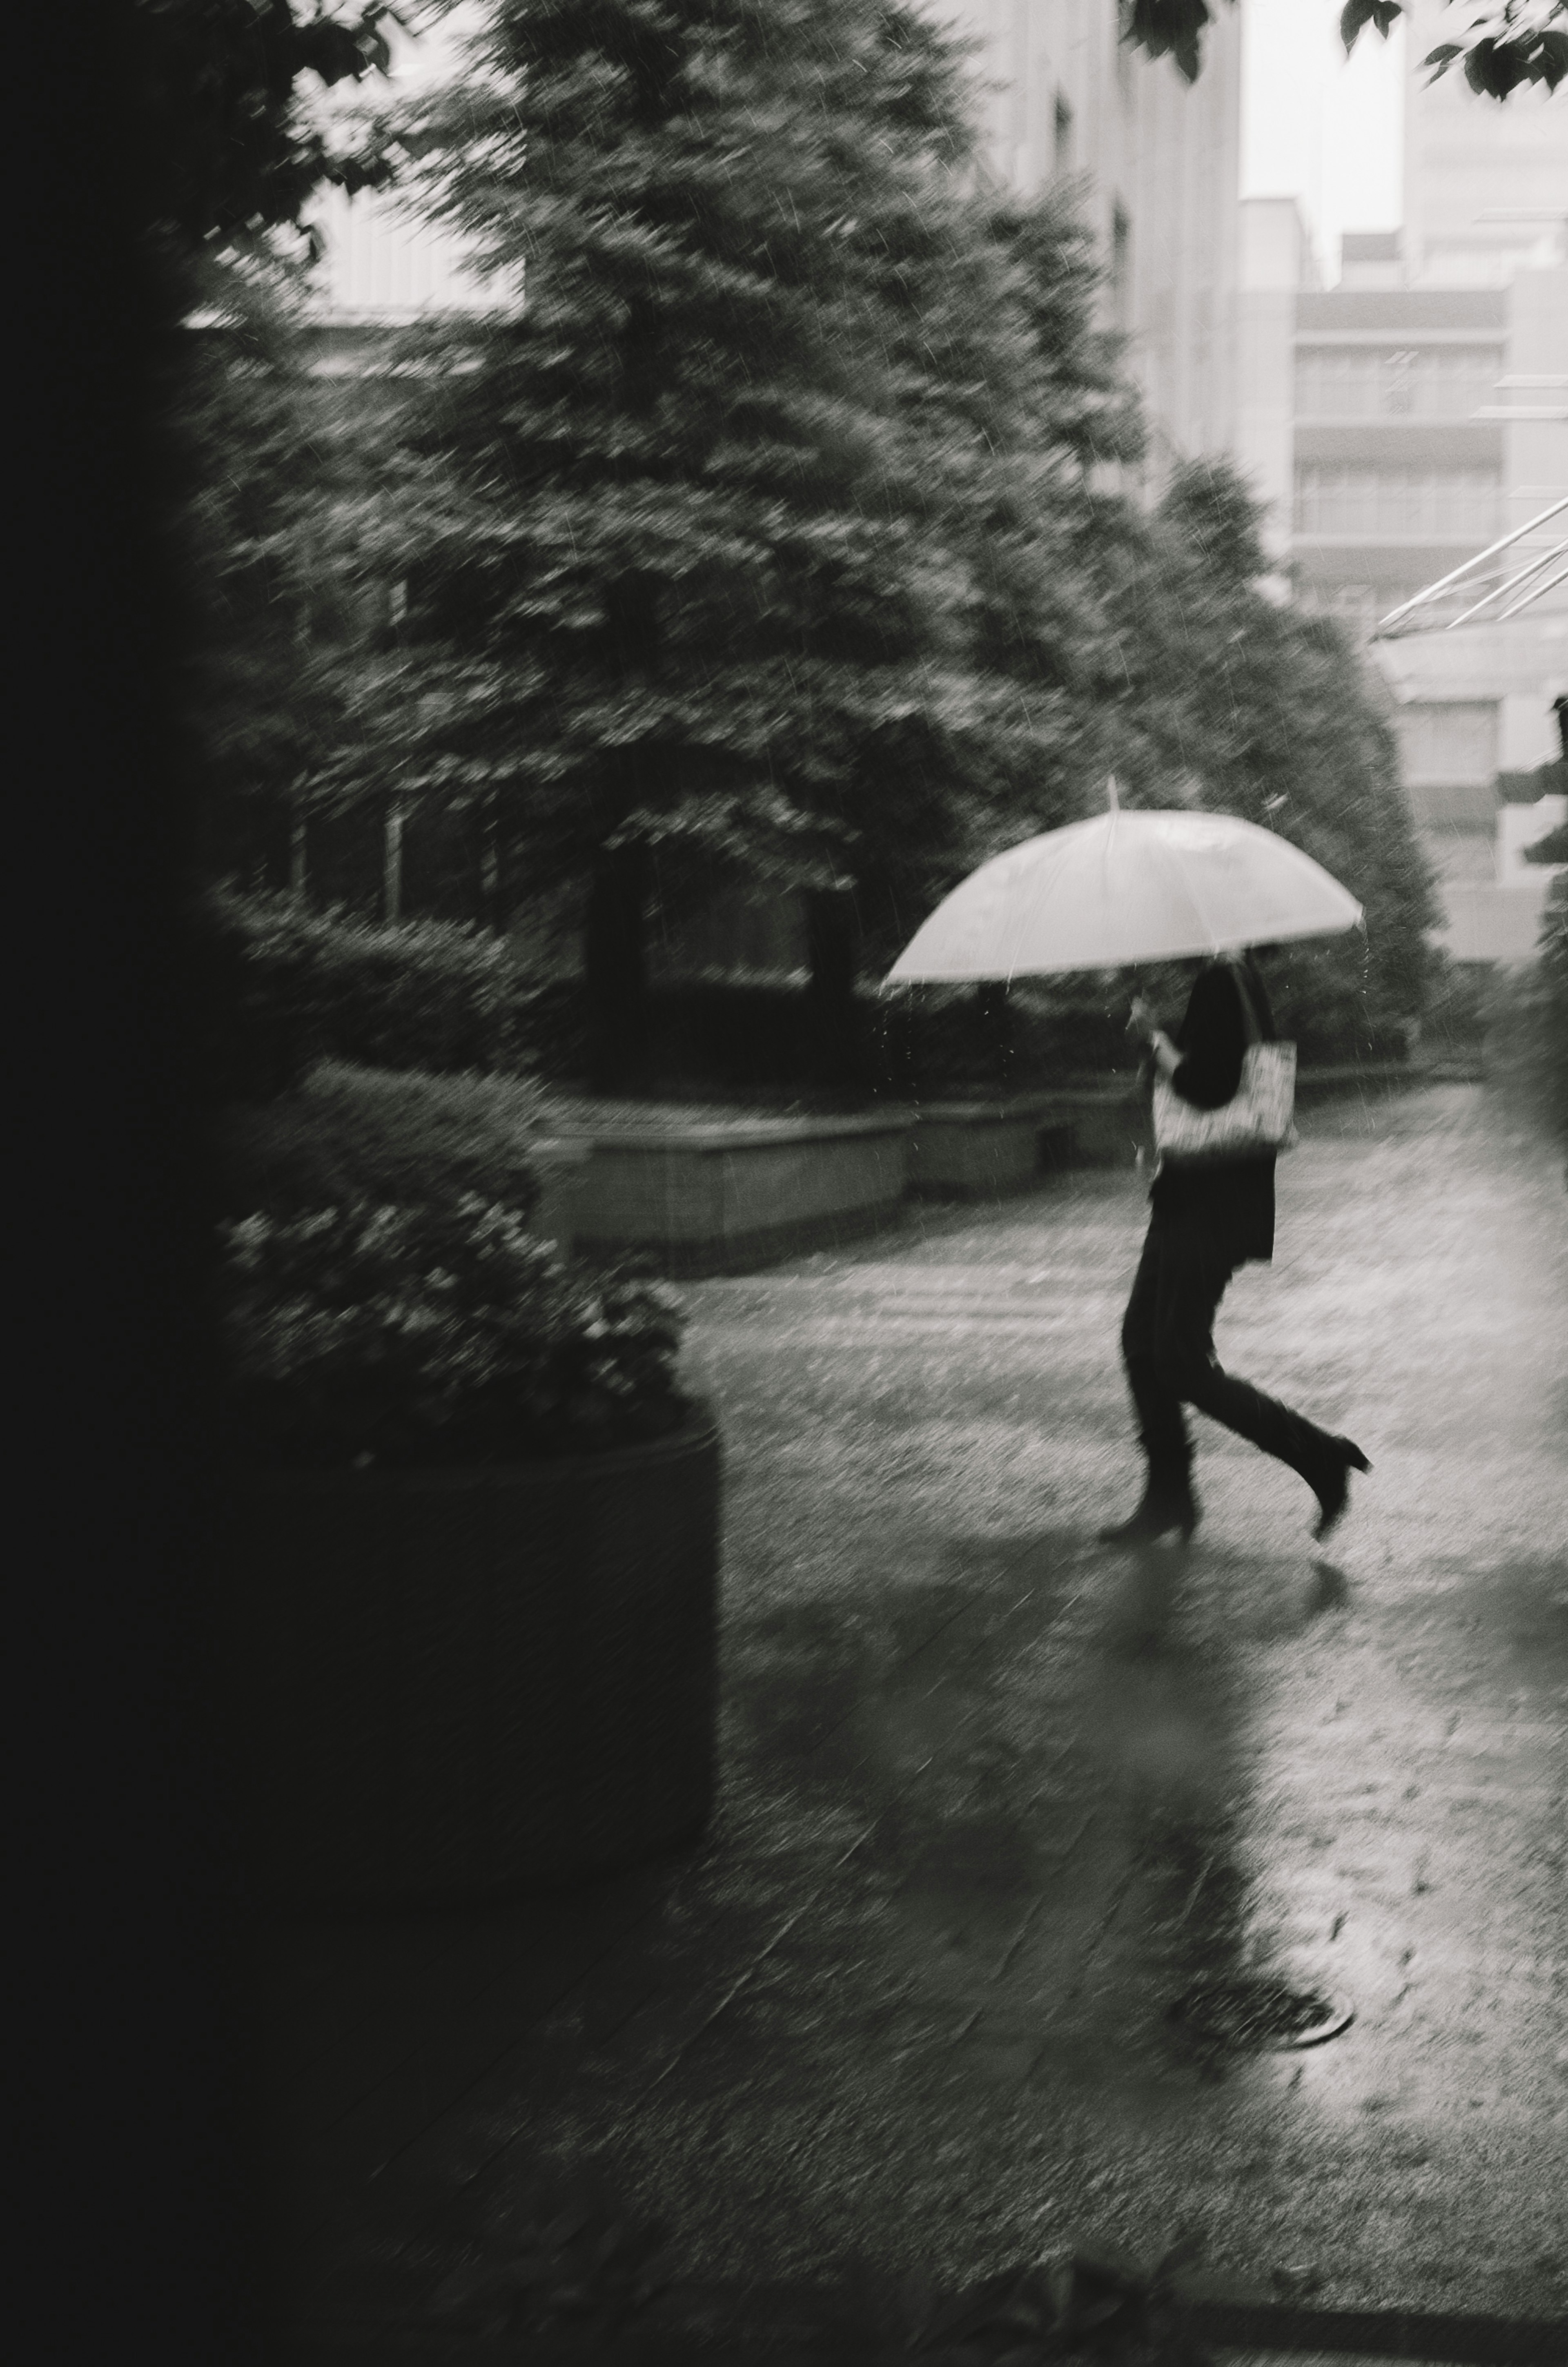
point(1194, 1284)
point(1162, 1430)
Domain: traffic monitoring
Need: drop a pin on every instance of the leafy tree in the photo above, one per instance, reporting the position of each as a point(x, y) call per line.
point(1549, 992)
point(1519, 41)
point(227, 149)
point(1266, 713)
point(259, 454)
point(737, 547)
point(1552, 998)
point(226, 156)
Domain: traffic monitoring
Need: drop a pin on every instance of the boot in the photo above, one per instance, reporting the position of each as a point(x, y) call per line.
point(1323, 1460)
point(1329, 1479)
point(1168, 1505)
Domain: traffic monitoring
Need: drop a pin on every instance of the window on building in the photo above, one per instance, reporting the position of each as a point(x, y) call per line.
point(1062, 135)
point(1394, 382)
point(1121, 266)
point(1413, 502)
point(1451, 742)
point(1447, 761)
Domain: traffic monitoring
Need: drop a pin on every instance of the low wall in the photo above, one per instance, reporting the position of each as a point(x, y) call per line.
point(719, 1198)
point(1385, 1077)
point(983, 1150)
point(561, 1169)
point(700, 1193)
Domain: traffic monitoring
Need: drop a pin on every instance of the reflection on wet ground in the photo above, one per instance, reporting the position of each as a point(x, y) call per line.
point(994, 1798)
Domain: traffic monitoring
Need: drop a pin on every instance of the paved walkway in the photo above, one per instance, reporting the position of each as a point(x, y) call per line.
point(993, 1797)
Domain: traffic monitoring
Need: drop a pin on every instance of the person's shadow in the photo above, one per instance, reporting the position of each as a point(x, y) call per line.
point(1143, 1589)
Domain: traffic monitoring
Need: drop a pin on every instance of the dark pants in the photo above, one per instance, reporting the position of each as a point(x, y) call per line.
point(1168, 1346)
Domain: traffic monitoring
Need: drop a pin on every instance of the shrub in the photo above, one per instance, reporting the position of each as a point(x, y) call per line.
point(953, 1039)
point(344, 1133)
point(1455, 1020)
point(409, 1337)
point(287, 987)
point(1552, 974)
point(1527, 1032)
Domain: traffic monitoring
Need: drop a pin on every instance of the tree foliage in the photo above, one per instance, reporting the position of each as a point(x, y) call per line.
point(228, 150)
point(769, 540)
point(750, 542)
point(268, 617)
point(1518, 41)
point(1264, 712)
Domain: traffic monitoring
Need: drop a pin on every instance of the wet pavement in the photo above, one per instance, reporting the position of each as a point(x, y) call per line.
point(995, 1797)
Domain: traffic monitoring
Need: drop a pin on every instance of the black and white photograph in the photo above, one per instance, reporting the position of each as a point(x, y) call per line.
point(810, 1581)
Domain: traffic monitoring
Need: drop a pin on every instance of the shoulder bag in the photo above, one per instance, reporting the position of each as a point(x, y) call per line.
point(1257, 1119)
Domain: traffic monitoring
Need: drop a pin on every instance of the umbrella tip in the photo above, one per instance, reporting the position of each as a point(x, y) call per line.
point(1114, 802)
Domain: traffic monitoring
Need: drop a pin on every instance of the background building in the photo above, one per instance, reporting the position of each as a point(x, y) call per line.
point(1399, 422)
point(1152, 163)
point(1155, 161)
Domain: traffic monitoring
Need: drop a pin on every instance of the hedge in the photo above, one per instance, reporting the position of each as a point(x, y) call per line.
point(412, 1336)
point(285, 987)
point(345, 1134)
point(288, 987)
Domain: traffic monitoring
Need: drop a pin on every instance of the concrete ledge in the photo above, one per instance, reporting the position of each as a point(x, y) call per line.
point(707, 1194)
point(978, 1150)
point(1359, 1078)
point(561, 1169)
point(748, 1252)
point(985, 1150)
point(705, 1197)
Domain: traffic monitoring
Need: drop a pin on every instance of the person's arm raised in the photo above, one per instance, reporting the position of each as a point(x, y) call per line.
point(1166, 1057)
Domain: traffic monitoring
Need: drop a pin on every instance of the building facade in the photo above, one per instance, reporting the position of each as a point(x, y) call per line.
point(1399, 424)
point(1154, 162)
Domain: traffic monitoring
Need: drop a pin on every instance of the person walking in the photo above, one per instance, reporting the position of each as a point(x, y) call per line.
point(1205, 1221)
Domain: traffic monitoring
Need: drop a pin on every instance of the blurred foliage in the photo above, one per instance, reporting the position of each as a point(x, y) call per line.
point(1552, 975)
point(435, 1334)
point(1526, 1016)
point(1250, 707)
point(1453, 1021)
point(1515, 43)
point(253, 433)
point(381, 1136)
point(227, 147)
point(285, 987)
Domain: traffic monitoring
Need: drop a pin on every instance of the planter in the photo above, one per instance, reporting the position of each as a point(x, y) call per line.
point(453, 1685)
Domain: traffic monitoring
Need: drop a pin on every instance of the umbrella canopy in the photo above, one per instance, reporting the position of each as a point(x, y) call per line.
point(1124, 889)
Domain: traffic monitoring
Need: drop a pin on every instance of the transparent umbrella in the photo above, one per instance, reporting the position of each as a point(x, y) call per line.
point(1126, 889)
